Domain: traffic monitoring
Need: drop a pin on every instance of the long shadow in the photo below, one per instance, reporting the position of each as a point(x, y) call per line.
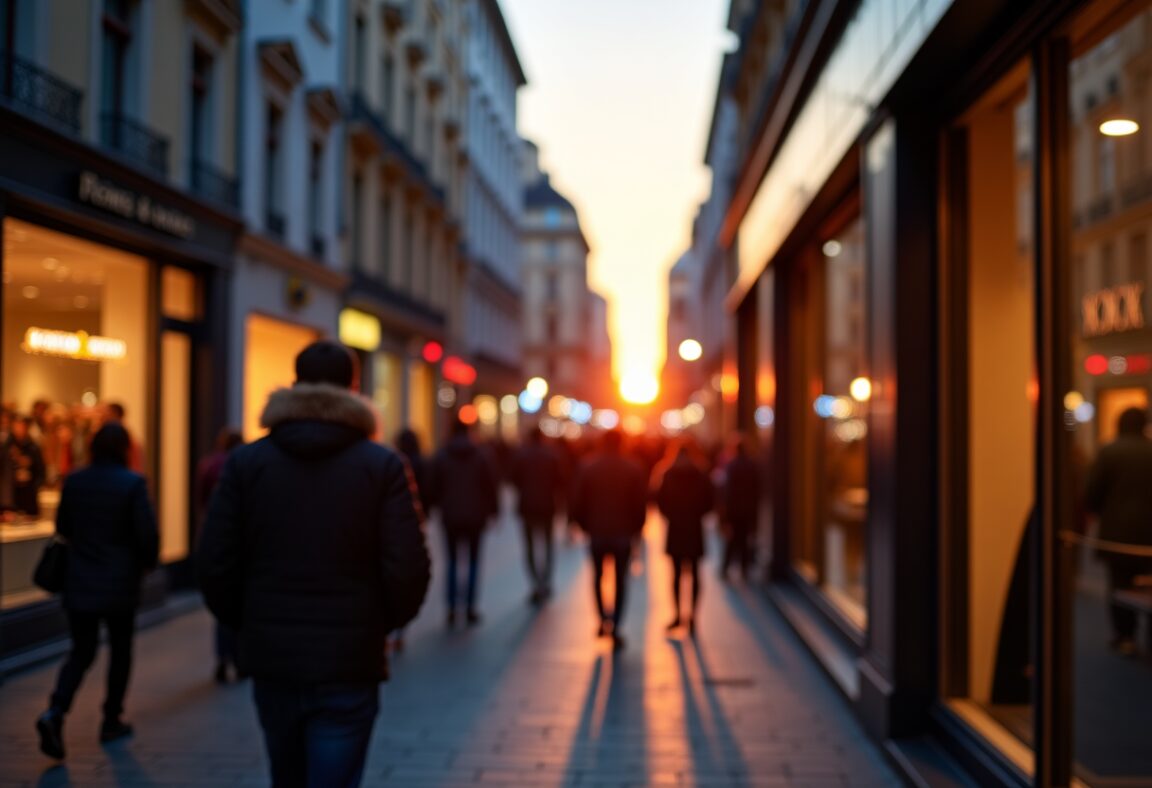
point(750, 610)
point(715, 750)
point(610, 741)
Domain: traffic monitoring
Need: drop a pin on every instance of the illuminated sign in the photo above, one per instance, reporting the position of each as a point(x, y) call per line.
point(455, 370)
point(73, 344)
point(1113, 310)
point(359, 330)
point(140, 208)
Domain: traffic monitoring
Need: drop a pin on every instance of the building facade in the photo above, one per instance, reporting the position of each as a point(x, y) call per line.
point(939, 224)
point(120, 219)
point(493, 197)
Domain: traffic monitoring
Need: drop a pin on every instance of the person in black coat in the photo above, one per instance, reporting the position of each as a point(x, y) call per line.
point(108, 522)
point(465, 488)
point(313, 549)
point(684, 496)
point(538, 475)
point(609, 501)
point(28, 471)
point(740, 508)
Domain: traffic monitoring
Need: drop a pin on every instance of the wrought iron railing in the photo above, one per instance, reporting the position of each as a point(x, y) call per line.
point(39, 92)
point(214, 185)
point(274, 222)
point(394, 145)
point(136, 141)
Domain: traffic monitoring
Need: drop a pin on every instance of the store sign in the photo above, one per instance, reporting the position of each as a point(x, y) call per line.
point(139, 208)
point(458, 371)
point(73, 344)
point(359, 330)
point(1113, 310)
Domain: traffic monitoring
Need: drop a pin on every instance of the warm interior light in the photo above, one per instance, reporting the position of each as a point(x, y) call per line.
point(537, 387)
point(690, 350)
point(639, 388)
point(73, 344)
point(860, 389)
point(1119, 127)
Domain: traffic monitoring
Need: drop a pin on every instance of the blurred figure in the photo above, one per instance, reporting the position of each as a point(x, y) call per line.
point(207, 476)
point(7, 472)
point(314, 550)
point(684, 496)
point(408, 444)
point(1119, 493)
point(538, 476)
point(28, 472)
point(739, 508)
point(609, 501)
point(465, 490)
point(114, 412)
point(110, 528)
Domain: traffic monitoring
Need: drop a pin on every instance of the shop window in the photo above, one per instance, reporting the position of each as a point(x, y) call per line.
point(988, 648)
point(179, 294)
point(175, 414)
point(270, 349)
point(1108, 513)
point(388, 392)
point(422, 401)
point(75, 354)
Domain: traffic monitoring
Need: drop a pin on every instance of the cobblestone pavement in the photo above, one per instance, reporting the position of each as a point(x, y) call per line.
point(527, 698)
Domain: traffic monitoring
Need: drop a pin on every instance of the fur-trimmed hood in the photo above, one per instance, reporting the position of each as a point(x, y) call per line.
point(318, 418)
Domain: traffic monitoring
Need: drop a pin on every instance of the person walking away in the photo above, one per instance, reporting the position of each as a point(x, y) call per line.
point(207, 476)
point(407, 442)
point(1119, 493)
point(684, 495)
point(609, 502)
point(538, 476)
point(739, 508)
point(313, 549)
point(465, 489)
point(28, 471)
point(110, 528)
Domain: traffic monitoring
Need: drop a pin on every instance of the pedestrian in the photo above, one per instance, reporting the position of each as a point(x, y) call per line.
point(684, 496)
point(313, 550)
point(465, 490)
point(538, 476)
point(207, 476)
point(115, 412)
point(1119, 493)
point(109, 525)
point(739, 508)
point(28, 471)
point(609, 502)
point(407, 442)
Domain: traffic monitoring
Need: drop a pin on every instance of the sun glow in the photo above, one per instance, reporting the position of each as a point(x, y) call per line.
point(638, 387)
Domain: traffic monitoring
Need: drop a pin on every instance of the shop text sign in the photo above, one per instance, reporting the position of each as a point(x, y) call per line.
point(73, 344)
point(139, 208)
point(1113, 310)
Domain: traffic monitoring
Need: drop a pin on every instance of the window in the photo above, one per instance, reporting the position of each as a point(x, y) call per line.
point(316, 198)
point(358, 220)
point(200, 106)
point(273, 171)
point(385, 231)
point(551, 286)
point(1138, 258)
point(1107, 265)
point(410, 113)
point(551, 329)
point(387, 83)
point(117, 39)
point(551, 251)
point(359, 55)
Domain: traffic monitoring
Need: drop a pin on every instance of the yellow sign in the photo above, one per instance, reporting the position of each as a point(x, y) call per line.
point(73, 344)
point(359, 330)
point(1113, 310)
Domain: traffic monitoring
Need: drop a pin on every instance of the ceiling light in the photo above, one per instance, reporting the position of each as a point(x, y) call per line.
point(1119, 127)
point(30, 291)
point(50, 263)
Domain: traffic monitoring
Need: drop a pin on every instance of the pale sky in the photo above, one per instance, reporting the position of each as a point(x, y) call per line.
point(619, 100)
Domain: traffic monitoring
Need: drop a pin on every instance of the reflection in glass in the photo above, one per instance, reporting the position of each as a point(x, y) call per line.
point(1110, 458)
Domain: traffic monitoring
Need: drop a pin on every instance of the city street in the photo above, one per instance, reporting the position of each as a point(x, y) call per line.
point(527, 698)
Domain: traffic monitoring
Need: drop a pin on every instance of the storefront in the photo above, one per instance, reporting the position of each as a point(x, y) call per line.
point(111, 305)
point(941, 335)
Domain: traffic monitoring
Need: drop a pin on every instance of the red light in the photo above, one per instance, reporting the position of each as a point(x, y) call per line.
point(1096, 364)
point(457, 371)
point(1139, 364)
point(433, 352)
point(467, 414)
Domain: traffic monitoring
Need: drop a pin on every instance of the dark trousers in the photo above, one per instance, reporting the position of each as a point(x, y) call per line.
point(738, 549)
point(680, 567)
point(538, 533)
point(1122, 572)
point(225, 644)
point(459, 540)
point(316, 734)
point(621, 554)
point(85, 630)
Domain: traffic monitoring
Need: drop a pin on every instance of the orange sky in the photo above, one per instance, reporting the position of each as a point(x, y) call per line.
point(619, 99)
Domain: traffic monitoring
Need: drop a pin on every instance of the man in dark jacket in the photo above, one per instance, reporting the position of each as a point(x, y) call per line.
point(609, 501)
point(313, 549)
point(538, 476)
point(740, 508)
point(1119, 492)
point(465, 488)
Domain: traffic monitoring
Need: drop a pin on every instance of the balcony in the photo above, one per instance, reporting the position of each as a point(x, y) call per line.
point(136, 142)
point(274, 224)
point(369, 123)
point(211, 184)
point(35, 91)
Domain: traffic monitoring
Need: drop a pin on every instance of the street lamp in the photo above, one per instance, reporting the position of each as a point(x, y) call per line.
point(690, 350)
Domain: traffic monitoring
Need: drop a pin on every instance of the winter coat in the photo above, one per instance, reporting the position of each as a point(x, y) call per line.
point(464, 486)
point(1119, 490)
point(741, 493)
point(28, 474)
point(538, 476)
point(609, 498)
point(313, 547)
point(110, 526)
point(684, 496)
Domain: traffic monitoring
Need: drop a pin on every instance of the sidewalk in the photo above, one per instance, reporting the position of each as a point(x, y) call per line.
point(527, 698)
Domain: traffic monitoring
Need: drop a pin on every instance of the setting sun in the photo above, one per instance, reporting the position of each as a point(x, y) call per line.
point(638, 387)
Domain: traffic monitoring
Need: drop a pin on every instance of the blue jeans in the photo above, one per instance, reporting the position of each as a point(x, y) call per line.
point(316, 734)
